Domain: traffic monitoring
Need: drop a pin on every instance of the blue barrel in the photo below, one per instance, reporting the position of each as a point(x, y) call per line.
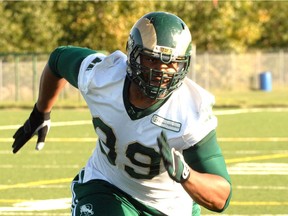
point(266, 81)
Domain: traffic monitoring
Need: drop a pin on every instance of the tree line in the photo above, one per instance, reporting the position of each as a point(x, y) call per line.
point(216, 26)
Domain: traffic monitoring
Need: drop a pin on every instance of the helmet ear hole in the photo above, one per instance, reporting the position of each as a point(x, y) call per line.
point(126, 46)
point(183, 26)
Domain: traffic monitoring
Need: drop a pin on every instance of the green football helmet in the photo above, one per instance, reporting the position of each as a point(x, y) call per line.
point(163, 36)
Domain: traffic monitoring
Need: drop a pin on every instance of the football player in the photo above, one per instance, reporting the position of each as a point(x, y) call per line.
point(157, 152)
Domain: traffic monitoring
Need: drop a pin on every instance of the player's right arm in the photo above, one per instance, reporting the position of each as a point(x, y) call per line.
point(49, 89)
point(62, 67)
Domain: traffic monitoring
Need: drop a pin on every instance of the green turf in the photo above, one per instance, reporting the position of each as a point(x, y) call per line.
point(275, 98)
point(224, 99)
point(252, 194)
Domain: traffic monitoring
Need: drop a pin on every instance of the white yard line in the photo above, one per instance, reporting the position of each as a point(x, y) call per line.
point(249, 110)
point(53, 124)
point(216, 112)
point(30, 207)
point(258, 169)
point(12, 213)
point(38, 205)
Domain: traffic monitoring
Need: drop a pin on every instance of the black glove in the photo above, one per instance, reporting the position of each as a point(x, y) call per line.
point(38, 123)
point(173, 160)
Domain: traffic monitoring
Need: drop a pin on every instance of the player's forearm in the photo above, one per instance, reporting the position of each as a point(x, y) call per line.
point(50, 88)
point(210, 191)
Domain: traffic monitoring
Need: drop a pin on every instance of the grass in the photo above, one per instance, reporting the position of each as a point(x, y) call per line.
point(256, 194)
point(224, 99)
point(248, 99)
point(32, 175)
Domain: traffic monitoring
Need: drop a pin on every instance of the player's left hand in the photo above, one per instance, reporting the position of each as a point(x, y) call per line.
point(173, 160)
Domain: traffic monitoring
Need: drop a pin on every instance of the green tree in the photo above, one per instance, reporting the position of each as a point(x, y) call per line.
point(99, 25)
point(273, 19)
point(9, 29)
point(34, 26)
point(229, 26)
point(29, 26)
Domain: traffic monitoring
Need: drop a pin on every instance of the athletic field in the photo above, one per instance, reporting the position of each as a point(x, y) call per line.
point(254, 143)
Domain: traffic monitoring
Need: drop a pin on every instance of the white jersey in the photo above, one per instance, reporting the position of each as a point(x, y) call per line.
point(127, 154)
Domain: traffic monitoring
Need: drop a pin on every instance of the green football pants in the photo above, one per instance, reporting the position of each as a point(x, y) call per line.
point(100, 198)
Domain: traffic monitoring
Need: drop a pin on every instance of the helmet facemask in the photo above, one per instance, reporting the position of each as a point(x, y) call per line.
point(156, 84)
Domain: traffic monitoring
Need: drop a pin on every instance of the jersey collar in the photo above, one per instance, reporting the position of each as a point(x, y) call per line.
point(134, 112)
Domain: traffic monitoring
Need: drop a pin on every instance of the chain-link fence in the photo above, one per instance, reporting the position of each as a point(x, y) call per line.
point(236, 72)
point(20, 74)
